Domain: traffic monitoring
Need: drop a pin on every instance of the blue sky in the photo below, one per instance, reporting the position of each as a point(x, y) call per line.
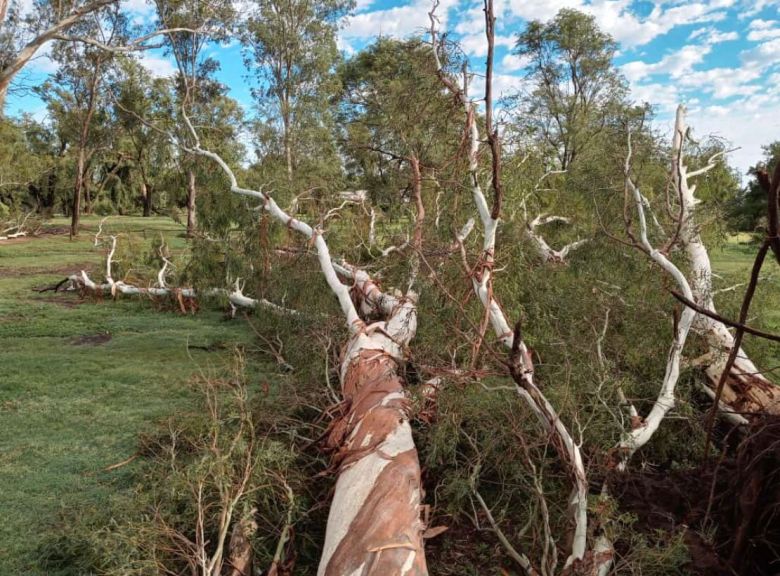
point(719, 57)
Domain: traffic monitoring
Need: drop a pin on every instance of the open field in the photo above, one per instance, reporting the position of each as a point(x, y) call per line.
point(733, 262)
point(80, 380)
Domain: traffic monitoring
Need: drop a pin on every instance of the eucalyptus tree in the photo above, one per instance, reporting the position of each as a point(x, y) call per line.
point(291, 47)
point(194, 25)
point(138, 95)
point(574, 89)
point(24, 33)
point(77, 99)
point(749, 212)
point(28, 162)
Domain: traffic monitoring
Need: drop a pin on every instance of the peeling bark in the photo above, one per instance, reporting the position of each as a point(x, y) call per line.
point(374, 525)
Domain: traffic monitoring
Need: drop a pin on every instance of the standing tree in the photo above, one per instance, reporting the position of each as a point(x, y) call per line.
point(139, 95)
point(193, 25)
point(575, 87)
point(76, 98)
point(292, 44)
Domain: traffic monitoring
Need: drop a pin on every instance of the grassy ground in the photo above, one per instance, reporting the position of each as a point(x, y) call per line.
point(733, 262)
point(71, 406)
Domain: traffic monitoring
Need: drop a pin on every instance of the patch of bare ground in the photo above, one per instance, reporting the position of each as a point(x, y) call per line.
point(91, 339)
point(728, 509)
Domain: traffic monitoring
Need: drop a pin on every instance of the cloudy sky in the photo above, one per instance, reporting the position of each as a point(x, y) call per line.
point(719, 57)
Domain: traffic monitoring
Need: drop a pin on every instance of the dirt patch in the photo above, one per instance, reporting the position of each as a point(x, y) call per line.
point(737, 495)
point(69, 301)
point(91, 339)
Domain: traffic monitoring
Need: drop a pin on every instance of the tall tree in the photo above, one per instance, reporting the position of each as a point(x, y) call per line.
point(575, 87)
point(76, 98)
point(194, 83)
point(141, 96)
point(292, 44)
point(388, 88)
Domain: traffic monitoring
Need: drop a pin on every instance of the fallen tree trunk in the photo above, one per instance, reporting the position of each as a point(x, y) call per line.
point(374, 525)
point(83, 283)
point(746, 389)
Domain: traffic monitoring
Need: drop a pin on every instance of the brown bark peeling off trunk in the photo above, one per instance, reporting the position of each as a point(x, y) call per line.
point(375, 524)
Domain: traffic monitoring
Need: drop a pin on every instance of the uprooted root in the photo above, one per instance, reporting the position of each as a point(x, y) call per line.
point(736, 495)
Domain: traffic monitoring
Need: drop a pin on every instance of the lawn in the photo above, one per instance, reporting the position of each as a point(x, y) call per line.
point(80, 379)
point(733, 262)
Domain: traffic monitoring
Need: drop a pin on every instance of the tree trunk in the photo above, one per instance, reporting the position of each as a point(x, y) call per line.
point(192, 220)
point(375, 526)
point(87, 196)
point(746, 389)
point(147, 190)
point(288, 149)
point(76, 208)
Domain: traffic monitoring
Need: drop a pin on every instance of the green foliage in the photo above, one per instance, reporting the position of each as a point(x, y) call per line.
point(599, 325)
point(70, 409)
point(291, 49)
point(749, 209)
point(577, 89)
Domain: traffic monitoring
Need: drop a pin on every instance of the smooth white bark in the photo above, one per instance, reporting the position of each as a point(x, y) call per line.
point(717, 335)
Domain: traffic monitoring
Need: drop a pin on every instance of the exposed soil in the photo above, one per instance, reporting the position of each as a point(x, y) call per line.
point(737, 495)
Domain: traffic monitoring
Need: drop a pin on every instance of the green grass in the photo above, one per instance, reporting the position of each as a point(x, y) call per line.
point(733, 261)
point(68, 410)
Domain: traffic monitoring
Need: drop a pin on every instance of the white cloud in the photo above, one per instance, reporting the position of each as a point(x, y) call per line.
point(763, 30)
point(749, 8)
point(157, 66)
point(675, 64)
point(763, 55)
point(748, 124)
point(503, 85)
point(42, 61)
point(476, 45)
point(711, 35)
point(512, 62)
point(617, 18)
point(723, 83)
point(361, 5)
point(396, 22)
point(664, 97)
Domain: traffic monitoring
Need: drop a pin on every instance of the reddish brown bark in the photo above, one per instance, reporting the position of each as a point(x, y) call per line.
point(385, 535)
